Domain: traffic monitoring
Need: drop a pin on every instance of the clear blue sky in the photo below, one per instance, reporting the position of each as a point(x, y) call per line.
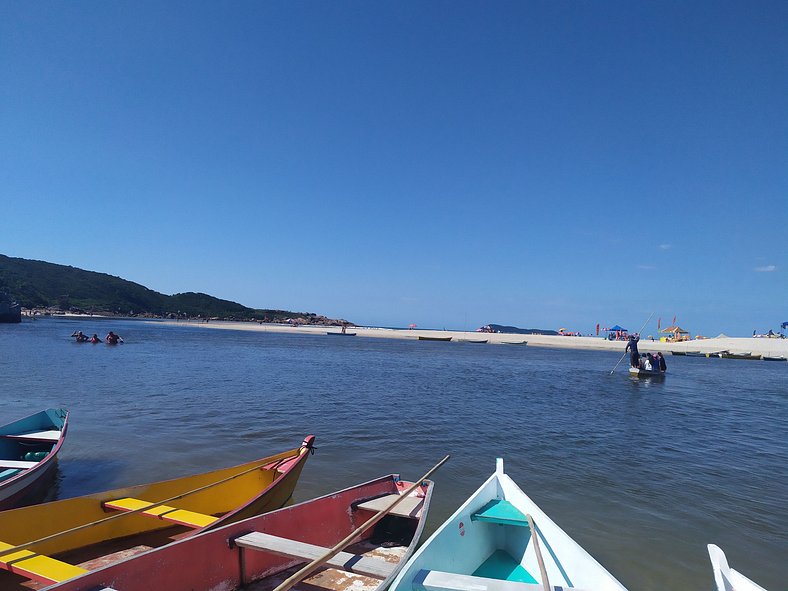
point(543, 164)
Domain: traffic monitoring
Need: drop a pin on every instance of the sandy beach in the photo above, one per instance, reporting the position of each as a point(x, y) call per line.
point(756, 346)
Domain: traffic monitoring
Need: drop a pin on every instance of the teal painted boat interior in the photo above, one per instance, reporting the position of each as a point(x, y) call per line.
point(502, 512)
point(29, 451)
point(503, 567)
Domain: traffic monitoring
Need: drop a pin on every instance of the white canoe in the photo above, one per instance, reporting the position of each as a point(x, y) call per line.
point(487, 546)
point(726, 578)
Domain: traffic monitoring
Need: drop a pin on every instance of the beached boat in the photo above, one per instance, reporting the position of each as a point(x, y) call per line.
point(105, 527)
point(523, 343)
point(28, 450)
point(341, 334)
point(681, 353)
point(423, 338)
point(264, 551)
point(489, 545)
point(646, 373)
point(774, 358)
point(747, 355)
point(474, 341)
point(696, 354)
point(725, 577)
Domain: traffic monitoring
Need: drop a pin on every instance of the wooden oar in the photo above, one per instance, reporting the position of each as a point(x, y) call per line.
point(625, 350)
point(315, 564)
point(269, 460)
point(535, 538)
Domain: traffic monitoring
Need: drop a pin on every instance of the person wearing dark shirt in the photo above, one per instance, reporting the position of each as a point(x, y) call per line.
point(662, 365)
point(632, 345)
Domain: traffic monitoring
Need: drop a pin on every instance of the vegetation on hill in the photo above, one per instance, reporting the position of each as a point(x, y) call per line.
point(38, 284)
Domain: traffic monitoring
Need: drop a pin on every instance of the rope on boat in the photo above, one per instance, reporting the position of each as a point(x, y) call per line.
point(284, 455)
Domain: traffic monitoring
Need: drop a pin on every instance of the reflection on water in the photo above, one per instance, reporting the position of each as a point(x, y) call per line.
point(642, 473)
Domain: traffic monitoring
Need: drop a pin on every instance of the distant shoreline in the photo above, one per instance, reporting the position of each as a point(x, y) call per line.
point(757, 346)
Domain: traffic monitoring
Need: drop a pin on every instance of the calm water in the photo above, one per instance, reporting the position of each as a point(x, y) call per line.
point(642, 474)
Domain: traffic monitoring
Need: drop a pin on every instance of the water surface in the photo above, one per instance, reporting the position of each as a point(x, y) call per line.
point(643, 474)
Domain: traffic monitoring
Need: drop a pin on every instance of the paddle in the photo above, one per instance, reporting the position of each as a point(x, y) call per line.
point(625, 350)
point(535, 538)
point(317, 562)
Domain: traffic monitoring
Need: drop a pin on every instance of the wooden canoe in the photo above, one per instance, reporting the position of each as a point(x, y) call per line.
point(423, 338)
point(474, 341)
point(134, 519)
point(748, 355)
point(725, 577)
point(28, 451)
point(261, 552)
point(340, 334)
point(646, 373)
point(487, 546)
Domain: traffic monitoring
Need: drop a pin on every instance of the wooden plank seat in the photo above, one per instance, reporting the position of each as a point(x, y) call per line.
point(433, 580)
point(501, 512)
point(52, 435)
point(362, 565)
point(18, 464)
point(36, 566)
point(407, 507)
point(165, 512)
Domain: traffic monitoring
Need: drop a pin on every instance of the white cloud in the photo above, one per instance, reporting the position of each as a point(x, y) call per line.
point(766, 269)
point(665, 246)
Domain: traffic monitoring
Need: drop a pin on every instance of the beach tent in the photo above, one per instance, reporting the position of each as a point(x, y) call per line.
point(675, 330)
point(784, 325)
point(616, 328)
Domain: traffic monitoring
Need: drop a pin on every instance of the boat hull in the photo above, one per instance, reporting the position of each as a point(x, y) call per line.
point(645, 373)
point(725, 577)
point(18, 438)
point(486, 549)
point(423, 338)
point(208, 561)
point(242, 491)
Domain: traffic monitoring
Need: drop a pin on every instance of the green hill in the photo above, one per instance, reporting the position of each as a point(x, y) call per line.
point(38, 284)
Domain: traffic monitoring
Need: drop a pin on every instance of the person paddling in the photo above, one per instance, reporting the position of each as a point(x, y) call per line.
point(632, 345)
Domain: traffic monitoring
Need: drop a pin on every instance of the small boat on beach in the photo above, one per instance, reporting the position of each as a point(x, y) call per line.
point(423, 338)
point(646, 373)
point(725, 577)
point(522, 343)
point(696, 354)
point(262, 552)
point(28, 451)
point(474, 341)
point(746, 355)
point(56, 541)
point(774, 358)
point(500, 540)
point(341, 334)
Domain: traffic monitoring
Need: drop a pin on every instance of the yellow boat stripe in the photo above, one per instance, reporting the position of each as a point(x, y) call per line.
point(38, 567)
point(165, 512)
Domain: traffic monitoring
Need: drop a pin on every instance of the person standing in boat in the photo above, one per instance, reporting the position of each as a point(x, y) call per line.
point(632, 346)
point(661, 360)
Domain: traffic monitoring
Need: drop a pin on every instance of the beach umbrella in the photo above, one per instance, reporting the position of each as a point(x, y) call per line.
point(616, 328)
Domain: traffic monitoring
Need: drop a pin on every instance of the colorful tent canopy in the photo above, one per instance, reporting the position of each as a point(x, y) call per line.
point(784, 325)
point(616, 328)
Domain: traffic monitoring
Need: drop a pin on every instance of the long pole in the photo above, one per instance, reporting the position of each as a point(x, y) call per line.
point(539, 559)
point(625, 350)
point(317, 562)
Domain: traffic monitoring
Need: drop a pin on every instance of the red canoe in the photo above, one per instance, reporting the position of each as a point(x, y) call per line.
point(261, 552)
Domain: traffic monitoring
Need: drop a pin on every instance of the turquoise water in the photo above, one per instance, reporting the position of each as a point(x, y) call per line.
point(642, 474)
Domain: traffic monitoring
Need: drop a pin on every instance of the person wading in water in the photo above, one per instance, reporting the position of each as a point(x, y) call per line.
point(632, 345)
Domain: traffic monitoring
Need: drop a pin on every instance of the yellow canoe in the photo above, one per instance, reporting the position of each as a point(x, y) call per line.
point(38, 543)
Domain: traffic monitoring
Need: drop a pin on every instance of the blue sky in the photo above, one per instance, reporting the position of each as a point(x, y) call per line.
point(542, 164)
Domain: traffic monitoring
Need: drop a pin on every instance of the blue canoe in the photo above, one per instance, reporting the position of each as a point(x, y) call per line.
point(28, 448)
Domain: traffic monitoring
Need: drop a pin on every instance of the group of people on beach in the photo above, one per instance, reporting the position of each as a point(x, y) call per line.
point(646, 361)
point(110, 339)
